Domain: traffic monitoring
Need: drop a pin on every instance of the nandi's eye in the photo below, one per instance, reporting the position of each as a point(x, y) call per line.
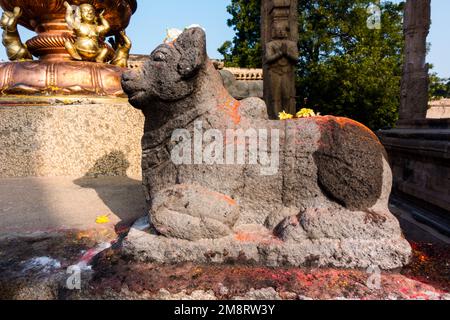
point(159, 56)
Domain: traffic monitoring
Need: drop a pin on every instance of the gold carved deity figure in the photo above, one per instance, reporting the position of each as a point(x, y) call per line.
point(88, 33)
point(122, 45)
point(15, 49)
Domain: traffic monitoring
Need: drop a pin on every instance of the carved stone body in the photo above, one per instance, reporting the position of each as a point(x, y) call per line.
point(327, 197)
point(15, 49)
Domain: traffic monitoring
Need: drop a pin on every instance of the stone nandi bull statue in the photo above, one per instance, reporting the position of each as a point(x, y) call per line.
point(322, 201)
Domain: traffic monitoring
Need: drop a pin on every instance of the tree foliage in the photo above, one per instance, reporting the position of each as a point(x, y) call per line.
point(245, 50)
point(345, 68)
point(439, 87)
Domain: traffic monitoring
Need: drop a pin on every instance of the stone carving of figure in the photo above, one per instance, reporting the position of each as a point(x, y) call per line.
point(15, 49)
point(123, 47)
point(281, 58)
point(88, 33)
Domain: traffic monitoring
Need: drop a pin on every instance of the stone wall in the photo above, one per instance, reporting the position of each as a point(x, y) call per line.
point(96, 139)
point(243, 83)
point(420, 159)
point(439, 109)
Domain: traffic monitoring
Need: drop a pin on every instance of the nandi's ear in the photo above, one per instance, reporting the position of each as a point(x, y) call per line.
point(192, 45)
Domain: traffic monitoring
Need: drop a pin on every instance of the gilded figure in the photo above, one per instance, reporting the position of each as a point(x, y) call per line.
point(15, 49)
point(83, 21)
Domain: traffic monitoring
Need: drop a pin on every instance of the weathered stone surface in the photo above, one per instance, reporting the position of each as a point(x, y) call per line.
point(196, 295)
point(264, 294)
point(70, 140)
point(319, 223)
point(193, 213)
point(251, 248)
point(324, 201)
point(254, 108)
point(242, 89)
point(350, 163)
point(278, 217)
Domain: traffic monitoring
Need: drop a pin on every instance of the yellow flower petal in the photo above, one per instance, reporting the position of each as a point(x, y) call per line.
point(285, 116)
point(305, 113)
point(102, 220)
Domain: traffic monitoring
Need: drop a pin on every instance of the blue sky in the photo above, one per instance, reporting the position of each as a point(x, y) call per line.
point(148, 26)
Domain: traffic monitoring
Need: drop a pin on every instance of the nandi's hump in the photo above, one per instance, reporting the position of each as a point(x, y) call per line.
point(350, 162)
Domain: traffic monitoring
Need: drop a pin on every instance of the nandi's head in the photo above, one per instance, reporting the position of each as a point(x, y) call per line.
point(171, 73)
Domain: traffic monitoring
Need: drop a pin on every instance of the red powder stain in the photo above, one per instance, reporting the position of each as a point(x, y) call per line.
point(326, 122)
point(239, 279)
point(430, 265)
point(255, 237)
point(246, 237)
point(221, 196)
point(423, 258)
point(230, 106)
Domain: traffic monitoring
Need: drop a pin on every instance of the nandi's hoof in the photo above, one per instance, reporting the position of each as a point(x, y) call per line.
point(193, 213)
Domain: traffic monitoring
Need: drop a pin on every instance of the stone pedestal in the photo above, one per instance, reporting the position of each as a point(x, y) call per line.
point(69, 137)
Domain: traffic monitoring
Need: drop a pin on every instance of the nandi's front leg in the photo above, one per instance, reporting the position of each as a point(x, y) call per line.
point(191, 212)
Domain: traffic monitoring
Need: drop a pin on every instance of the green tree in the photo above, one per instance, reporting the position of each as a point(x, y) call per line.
point(345, 68)
point(439, 87)
point(245, 50)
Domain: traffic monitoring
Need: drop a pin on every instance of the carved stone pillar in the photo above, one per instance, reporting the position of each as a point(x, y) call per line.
point(279, 33)
point(414, 91)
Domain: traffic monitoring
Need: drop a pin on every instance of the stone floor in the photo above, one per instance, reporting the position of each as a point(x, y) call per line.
point(49, 224)
point(33, 205)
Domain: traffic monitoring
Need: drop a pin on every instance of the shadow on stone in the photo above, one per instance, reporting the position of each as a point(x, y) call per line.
point(121, 194)
point(113, 164)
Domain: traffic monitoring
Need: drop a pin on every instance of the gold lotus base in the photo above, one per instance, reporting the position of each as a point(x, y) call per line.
point(60, 78)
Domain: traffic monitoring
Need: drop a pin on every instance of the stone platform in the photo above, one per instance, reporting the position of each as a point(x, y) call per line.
point(255, 245)
point(419, 153)
point(51, 205)
point(62, 136)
